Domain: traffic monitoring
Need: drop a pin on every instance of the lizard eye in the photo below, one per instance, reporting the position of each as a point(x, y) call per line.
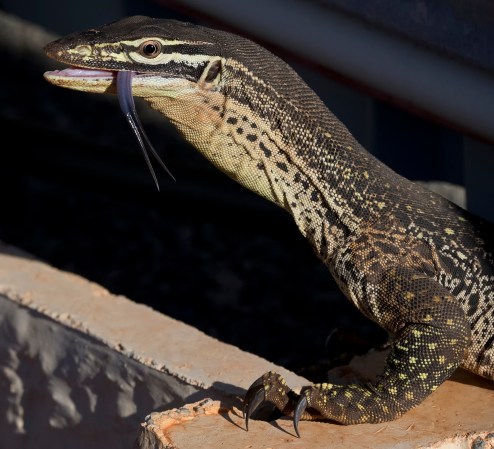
point(150, 49)
point(213, 71)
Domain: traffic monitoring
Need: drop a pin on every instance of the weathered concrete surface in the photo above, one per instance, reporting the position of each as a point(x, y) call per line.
point(80, 367)
point(460, 414)
point(66, 387)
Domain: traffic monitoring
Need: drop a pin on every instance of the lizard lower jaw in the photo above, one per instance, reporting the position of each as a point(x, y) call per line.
point(98, 81)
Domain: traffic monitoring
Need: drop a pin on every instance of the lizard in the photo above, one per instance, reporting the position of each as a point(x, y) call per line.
point(418, 265)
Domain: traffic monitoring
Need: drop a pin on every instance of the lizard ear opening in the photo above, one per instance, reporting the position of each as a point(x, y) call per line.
point(212, 72)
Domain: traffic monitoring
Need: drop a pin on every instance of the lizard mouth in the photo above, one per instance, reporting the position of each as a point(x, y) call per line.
point(104, 81)
point(77, 72)
point(83, 79)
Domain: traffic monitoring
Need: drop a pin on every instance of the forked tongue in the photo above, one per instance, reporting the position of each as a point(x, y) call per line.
point(126, 100)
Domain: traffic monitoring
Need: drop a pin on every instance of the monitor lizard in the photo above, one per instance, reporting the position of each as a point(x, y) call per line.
point(418, 265)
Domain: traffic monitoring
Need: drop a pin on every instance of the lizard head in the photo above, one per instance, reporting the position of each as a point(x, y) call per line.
point(169, 57)
point(231, 98)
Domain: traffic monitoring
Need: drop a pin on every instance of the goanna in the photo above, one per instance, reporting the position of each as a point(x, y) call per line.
point(419, 266)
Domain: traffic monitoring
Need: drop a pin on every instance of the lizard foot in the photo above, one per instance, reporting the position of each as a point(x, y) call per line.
point(315, 402)
point(271, 387)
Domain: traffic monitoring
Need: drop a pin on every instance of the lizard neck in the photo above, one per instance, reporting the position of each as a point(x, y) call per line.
point(311, 167)
point(280, 140)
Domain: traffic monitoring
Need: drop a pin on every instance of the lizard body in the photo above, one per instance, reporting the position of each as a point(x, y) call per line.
point(413, 262)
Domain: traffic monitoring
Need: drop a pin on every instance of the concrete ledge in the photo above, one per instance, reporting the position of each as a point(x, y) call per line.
point(80, 367)
point(459, 415)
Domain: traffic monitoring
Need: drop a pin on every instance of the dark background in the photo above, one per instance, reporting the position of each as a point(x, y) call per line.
point(76, 193)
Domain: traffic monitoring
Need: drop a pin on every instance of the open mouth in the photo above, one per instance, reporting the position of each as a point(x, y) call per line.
point(83, 73)
point(76, 72)
point(81, 77)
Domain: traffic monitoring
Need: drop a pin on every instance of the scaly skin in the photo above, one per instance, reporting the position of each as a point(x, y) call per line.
point(416, 264)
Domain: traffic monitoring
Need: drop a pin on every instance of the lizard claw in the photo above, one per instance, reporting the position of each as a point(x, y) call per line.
point(299, 410)
point(254, 397)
